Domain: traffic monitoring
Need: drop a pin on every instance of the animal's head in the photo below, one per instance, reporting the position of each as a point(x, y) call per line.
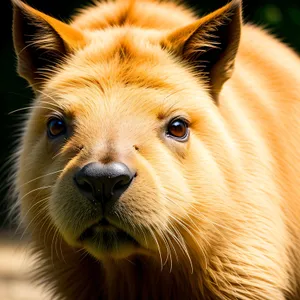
point(122, 149)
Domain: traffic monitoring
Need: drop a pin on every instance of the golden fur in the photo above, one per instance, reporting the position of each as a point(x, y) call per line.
point(216, 217)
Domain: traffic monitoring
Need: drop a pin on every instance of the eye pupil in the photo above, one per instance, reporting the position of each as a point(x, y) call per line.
point(56, 127)
point(178, 129)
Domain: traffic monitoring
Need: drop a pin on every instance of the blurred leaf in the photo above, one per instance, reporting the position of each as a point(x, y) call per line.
point(272, 14)
point(294, 14)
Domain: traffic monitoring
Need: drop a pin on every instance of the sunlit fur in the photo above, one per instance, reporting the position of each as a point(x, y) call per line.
point(217, 217)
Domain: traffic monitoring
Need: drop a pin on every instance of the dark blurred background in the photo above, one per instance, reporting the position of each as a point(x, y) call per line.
point(282, 17)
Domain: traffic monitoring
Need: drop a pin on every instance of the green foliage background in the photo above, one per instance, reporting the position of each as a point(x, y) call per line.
point(280, 17)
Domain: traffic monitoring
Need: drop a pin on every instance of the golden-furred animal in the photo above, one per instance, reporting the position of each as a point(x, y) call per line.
point(161, 156)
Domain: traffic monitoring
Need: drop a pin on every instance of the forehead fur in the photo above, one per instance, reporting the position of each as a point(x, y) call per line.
point(120, 58)
point(123, 55)
point(123, 48)
point(123, 13)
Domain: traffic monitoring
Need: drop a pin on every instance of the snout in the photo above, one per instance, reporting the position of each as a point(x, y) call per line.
point(103, 183)
point(106, 209)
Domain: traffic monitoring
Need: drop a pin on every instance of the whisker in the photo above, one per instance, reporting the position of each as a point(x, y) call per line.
point(61, 251)
point(30, 108)
point(158, 247)
point(169, 245)
point(51, 247)
point(40, 213)
point(182, 245)
point(39, 177)
point(37, 189)
point(48, 96)
point(165, 240)
point(34, 205)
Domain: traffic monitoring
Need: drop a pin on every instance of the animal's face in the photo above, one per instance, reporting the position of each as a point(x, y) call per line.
point(145, 118)
point(120, 151)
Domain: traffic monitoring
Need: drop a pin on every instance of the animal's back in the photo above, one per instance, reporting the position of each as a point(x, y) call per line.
point(262, 107)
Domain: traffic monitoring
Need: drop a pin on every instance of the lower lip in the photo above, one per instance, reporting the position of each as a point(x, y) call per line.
point(92, 231)
point(106, 235)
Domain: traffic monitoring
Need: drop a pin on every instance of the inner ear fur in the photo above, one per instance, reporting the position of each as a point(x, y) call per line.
point(210, 45)
point(41, 42)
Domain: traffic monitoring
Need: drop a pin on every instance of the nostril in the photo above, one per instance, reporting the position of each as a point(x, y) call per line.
point(122, 184)
point(119, 185)
point(123, 181)
point(84, 185)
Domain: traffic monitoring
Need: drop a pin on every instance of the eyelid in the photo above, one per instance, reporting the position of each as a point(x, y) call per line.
point(179, 116)
point(182, 118)
point(55, 115)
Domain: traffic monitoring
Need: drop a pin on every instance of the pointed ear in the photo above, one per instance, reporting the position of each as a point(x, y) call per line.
point(41, 42)
point(210, 44)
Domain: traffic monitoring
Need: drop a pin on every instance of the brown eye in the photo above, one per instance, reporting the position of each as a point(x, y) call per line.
point(178, 129)
point(56, 127)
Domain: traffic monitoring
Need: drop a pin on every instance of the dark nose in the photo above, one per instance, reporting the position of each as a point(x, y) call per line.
point(103, 183)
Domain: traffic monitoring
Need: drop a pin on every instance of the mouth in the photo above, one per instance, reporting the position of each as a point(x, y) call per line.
point(103, 238)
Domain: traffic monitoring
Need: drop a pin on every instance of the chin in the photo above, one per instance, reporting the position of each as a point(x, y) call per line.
point(105, 241)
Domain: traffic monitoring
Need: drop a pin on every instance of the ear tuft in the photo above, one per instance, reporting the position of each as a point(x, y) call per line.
point(41, 42)
point(210, 44)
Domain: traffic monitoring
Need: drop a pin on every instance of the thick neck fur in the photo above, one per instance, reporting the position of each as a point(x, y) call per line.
point(77, 275)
